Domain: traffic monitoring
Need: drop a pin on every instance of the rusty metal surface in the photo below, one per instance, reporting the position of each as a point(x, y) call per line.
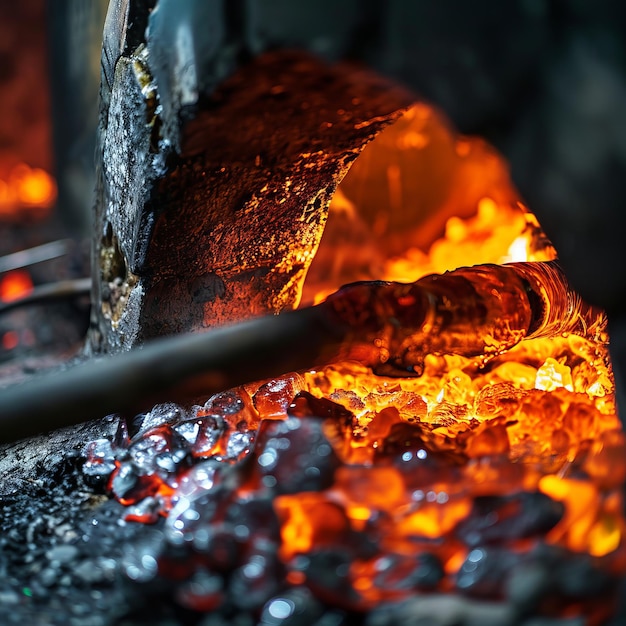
point(259, 166)
point(226, 229)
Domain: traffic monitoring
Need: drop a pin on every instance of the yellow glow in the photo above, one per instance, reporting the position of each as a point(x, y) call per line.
point(552, 375)
point(605, 535)
point(433, 520)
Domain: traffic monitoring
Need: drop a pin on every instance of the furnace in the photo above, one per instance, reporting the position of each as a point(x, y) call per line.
point(407, 413)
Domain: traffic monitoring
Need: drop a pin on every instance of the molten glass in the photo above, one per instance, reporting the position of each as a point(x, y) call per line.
point(493, 445)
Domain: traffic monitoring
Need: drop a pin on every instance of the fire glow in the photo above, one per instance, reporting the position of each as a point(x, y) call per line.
point(14, 285)
point(446, 481)
point(25, 191)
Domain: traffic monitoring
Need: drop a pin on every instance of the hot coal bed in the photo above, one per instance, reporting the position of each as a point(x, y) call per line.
point(448, 450)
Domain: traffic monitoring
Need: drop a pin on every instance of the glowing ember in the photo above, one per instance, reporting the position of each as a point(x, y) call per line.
point(14, 285)
point(364, 488)
point(26, 190)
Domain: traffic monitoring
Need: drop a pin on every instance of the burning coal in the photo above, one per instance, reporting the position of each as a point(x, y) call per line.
point(338, 487)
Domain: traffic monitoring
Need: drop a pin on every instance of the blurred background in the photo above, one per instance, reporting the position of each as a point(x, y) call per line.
point(49, 81)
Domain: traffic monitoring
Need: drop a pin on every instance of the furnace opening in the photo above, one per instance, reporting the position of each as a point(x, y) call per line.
point(421, 199)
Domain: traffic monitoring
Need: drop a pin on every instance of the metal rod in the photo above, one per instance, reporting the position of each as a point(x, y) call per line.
point(38, 254)
point(166, 369)
point(390, 327)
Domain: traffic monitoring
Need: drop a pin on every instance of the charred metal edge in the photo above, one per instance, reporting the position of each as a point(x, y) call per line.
point(166, 169)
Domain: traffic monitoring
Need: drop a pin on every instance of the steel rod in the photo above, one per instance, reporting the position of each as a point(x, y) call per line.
point(166, 369)
point(38, 254)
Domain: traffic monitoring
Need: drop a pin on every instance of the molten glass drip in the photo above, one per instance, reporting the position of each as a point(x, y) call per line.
point(493, 447)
